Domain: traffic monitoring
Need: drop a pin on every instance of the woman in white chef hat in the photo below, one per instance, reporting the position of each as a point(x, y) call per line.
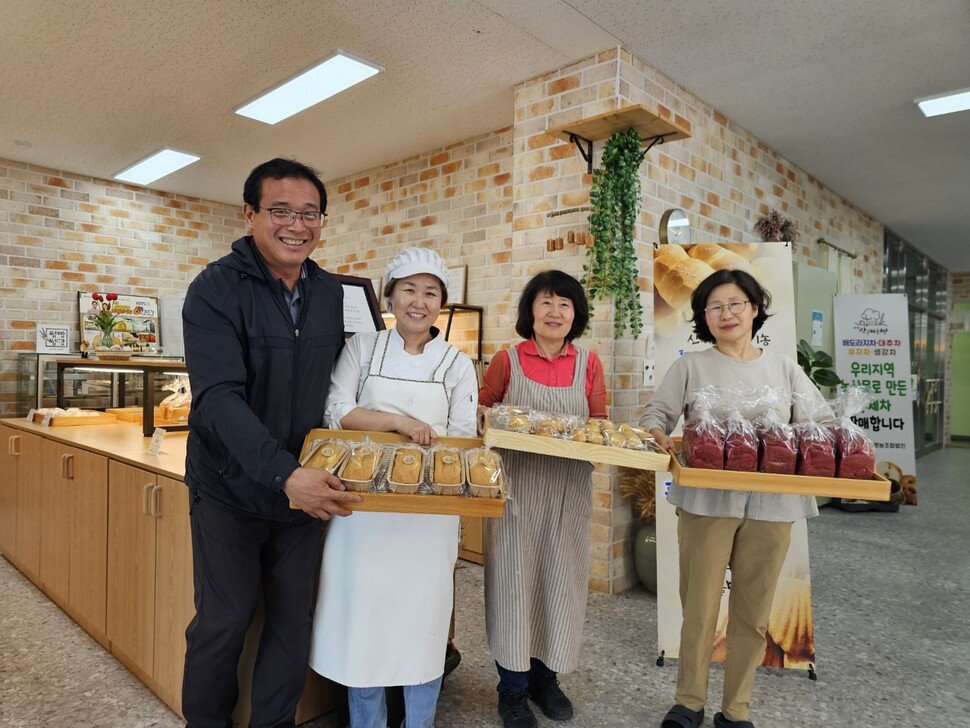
point(386, 583)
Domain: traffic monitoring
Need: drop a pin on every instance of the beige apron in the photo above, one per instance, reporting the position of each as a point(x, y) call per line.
point(537, 555)
point(386, 589)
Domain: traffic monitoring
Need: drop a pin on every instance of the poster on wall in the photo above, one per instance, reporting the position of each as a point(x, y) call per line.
point(790, 625)
point(872, 349)
point(135, 322)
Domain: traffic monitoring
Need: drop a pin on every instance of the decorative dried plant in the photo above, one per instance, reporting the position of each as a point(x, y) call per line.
point(640, 486)
point(775, 228)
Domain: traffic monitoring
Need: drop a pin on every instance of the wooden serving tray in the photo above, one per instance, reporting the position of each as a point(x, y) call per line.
point(444, 505)
point(134, 414)
point(874, 489)
point(98, 418)
point(640, 459)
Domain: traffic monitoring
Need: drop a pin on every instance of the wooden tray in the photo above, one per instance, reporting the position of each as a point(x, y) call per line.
point(134, 414)
point(874, 489)
point(445, 505)
point(640, 459)
point(99, 418)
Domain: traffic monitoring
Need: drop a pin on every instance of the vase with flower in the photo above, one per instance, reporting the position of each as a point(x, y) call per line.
point(105, 319)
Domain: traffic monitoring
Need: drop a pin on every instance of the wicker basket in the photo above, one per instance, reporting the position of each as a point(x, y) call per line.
point(105, 354)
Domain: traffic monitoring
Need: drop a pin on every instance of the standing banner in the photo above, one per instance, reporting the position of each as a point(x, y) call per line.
point(790, 623)
point(872, 349)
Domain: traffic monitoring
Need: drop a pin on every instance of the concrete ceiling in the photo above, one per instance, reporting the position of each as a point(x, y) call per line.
point(91, 87)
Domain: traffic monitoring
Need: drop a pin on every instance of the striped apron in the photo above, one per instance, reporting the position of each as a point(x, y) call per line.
point(537, 555)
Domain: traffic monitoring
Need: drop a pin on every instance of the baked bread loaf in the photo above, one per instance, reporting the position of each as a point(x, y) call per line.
point(483, 468)
point(328, 456)
point(719, 258)
point(360, 464)
point(676, 275)
point(446, 466)
point(406, 467)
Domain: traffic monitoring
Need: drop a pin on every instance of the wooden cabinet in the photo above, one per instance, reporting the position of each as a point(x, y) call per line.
point(73, 543)
point(149, 601)
point(20, 498)
point(8, 490)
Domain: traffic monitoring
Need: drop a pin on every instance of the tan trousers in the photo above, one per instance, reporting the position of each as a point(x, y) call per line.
point(756, 551)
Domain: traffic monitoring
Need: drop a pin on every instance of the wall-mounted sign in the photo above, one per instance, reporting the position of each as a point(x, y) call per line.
point(52, 339)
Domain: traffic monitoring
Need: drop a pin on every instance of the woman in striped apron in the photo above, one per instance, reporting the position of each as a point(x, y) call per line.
point(386, 584)
point(537, 555)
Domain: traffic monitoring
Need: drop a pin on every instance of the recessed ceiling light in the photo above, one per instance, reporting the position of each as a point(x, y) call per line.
point(945, 104)
point(328, 78)
point(156, 166)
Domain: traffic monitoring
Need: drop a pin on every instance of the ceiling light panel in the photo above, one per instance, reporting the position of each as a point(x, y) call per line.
point(945, 104)
point(328, 78)
point(156, 166)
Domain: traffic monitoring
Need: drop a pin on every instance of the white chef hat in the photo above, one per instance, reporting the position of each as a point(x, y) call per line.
point(412, 261)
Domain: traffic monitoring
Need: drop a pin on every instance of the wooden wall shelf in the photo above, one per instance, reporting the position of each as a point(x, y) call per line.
point(651, 128)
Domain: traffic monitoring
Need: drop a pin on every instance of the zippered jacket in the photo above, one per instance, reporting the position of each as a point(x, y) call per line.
point(259, 382)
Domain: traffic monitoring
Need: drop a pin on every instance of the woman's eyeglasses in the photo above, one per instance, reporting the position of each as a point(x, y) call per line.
point(717, 310)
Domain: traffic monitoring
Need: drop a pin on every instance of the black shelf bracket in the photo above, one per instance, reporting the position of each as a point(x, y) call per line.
point(587, 152)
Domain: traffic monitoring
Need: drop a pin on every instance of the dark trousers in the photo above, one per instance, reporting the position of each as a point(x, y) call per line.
point(512, 682)
point(232, 556)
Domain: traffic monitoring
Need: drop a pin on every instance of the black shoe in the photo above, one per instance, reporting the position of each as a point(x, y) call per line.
point(452, 658)
point(545, 691)
point(515, 711)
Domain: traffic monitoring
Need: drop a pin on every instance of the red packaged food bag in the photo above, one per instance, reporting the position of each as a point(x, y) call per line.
point(777, 441)
point(703, 443)
point(816, 442)
point(855, 454)
point(740, 437)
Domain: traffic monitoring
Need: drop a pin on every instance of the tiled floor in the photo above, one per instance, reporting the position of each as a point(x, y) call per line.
point(891, 596)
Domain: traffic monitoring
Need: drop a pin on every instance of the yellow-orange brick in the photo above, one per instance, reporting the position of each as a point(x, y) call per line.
point(563, 84)
point(541, 173)
point(439, 159)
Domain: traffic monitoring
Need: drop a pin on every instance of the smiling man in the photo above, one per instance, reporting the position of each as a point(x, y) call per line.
point(263, 327)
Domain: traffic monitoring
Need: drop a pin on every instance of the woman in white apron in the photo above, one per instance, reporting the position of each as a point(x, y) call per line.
point(537, 556)
point(386, 584)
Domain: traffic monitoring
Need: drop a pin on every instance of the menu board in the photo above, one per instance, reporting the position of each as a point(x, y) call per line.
point(136, 320)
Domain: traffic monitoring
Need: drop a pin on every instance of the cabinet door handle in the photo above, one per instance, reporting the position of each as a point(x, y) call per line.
point(157, 501)
point(11, 441)
point(146, 496)
point(67, 466)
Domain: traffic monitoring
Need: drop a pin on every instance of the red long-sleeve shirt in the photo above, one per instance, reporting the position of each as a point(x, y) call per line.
point(557, 372)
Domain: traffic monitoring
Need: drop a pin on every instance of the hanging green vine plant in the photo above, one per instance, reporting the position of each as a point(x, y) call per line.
point(612, 269)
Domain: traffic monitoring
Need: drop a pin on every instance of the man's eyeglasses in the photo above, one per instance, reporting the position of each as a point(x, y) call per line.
point(282, 216)
point(717, 310)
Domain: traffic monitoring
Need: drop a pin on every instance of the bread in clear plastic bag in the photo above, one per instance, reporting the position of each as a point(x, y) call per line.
point(406, 471)
point(485, 473)
point(446, 470)
point(360, 466)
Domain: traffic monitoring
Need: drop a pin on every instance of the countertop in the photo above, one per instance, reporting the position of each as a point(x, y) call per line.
point(122, 441)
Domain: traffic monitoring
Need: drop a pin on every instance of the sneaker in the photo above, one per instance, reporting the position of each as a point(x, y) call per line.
point(515, 711)
point(550, 698)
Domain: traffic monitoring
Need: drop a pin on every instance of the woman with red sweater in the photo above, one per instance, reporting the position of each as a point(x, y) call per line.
point(537, 555)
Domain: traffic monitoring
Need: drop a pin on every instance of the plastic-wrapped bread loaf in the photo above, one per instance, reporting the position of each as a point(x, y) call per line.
point(328, 456)
point(360, 464)
point(406, 466)
point(447, 467)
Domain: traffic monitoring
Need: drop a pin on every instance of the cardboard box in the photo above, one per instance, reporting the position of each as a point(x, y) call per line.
point(449, 505)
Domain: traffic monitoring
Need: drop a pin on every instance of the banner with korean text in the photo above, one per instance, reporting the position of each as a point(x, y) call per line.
point(872, 349)
point(791, 640)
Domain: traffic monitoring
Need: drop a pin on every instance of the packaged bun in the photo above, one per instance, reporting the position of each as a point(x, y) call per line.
point(446, 467)
point(485, 475)
point(328, 456)
point(406, 465)
point(358, 470)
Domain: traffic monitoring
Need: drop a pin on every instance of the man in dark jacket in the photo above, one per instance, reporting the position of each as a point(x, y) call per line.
point(263, 327)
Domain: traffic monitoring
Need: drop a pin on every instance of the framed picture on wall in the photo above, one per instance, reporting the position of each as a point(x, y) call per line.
point(361, 310)
point(456, 283)
point(135, 324)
